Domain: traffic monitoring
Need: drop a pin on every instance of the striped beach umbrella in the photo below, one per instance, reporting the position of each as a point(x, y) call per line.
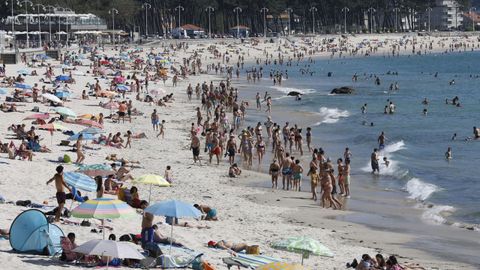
point(281, 266)
point(152, 179)
point(80, 181)
point(303, 245)
point(96, 170)
point(103, 208)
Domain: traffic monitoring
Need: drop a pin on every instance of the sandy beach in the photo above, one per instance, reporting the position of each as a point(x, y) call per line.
point(248, 210)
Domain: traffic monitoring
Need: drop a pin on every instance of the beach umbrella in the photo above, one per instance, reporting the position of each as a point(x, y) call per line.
point(110, 249)
point(280, 266)
point(303, 245)
point(92, 130)
point(51, 97)
point(86, 136)
point(63, 78)
point(152, 179)
point(23, 86)
point(65, 112)
point(93, 170)
point(122, 87)
point(88, 123)
point(80, 181)
point(62, 94)
point(103, 208)
point(173, 209)
point(23, 71)
point(37, 116)
point(3, 91)
point(53, 126)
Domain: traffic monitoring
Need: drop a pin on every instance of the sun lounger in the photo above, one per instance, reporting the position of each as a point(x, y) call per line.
point(248, 261)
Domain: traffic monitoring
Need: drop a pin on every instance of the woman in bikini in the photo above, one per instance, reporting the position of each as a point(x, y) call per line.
point(260, 146)
point(78, 145)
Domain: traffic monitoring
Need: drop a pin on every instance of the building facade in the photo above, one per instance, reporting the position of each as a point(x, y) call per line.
point(446, 15)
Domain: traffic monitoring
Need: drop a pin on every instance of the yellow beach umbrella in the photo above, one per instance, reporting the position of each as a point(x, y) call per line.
point(281, 266)
point(152, 179)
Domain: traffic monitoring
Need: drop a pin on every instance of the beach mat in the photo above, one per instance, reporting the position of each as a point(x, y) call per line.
point(249, 261)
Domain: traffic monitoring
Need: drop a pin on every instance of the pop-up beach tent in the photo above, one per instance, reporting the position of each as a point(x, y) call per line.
point(31, 233)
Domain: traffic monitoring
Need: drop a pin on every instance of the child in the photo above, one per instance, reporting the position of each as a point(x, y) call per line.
point(162, 129)
point(386, 162)
point(168, 174)
point(129, 140)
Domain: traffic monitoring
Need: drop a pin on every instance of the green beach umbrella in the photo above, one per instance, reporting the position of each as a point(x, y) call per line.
point(303, 245)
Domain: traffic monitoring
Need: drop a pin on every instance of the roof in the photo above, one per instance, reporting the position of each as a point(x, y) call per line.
point(241, 27)
point(192, 27)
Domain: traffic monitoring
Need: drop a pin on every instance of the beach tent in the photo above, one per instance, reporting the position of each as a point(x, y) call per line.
point(31, 233)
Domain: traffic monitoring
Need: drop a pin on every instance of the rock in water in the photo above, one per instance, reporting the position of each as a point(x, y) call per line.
point(343, 91)
point(294, 93)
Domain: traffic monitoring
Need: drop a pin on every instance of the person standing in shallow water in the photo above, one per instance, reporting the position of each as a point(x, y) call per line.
point(374, 161)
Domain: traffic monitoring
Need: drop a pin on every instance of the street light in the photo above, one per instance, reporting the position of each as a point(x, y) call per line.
point(429, 10)
point(39, 26)
point(12, 4)
point(396, 10)
point(50, 8)
point(209, 9)
point(146, 6)
point(472, 9)
point(180, 9)
point(113, 11)
point(238, 10)
point(26, 3)
point(345, 10)
point(264, 10)
point(371, 10)
point(66, 23)
point(289, 11)
point(313, 10)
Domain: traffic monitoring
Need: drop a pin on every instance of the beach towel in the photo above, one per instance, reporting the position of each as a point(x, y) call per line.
point(173, 257)
point(249, 261)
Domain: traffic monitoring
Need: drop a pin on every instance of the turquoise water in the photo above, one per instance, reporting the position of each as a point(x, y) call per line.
point(416, 142)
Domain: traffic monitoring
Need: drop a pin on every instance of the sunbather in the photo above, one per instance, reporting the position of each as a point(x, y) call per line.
point(235, 247)
point(158, 237)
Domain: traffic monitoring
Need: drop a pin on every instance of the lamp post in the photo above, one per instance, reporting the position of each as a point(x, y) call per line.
point(472, 10)
point(66, 24)
point(396, 10)
point(146, 6)
point(429, 10)
point(345, 10)
point(238, 10)
point(209, 9)
point(59, 19)
point(113, 11)
point(371, 10)
point(289, 11)
point(12, 4)
point(313, 10)
point(180, 9)
point(264, 10)
point(50, 8)
point(39, 25)
point(26, 3)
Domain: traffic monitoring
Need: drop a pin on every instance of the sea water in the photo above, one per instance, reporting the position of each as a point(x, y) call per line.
point(416, 142)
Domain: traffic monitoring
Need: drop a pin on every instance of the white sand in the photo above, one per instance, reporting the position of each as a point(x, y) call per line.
point(241, 219)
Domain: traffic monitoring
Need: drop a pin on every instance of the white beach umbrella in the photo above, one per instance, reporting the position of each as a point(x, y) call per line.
point(52, 98)
point(110, 249)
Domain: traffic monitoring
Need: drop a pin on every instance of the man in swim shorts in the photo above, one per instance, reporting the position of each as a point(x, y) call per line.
point(297, 171)
point(60, 195)
point(286, 170)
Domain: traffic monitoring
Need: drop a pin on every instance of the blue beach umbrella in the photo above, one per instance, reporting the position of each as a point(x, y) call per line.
point(80, 181)
point(174, 209)
point(3, 91)
point(62, 78)
point(23, 86)
point(122, 87)
point(62, 94)
point(86, 136)
point(23, 71)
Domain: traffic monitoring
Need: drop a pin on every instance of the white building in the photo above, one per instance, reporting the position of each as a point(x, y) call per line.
point(446, 15)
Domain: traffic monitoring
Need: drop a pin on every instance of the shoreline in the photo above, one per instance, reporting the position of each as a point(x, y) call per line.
point(249, 214)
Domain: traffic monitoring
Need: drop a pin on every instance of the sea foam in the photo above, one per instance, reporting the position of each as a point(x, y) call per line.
point(331, 115)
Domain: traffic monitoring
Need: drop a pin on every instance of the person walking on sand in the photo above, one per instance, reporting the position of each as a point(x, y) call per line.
point(286, 170)
point(60, 195)
point(231, 149)
point(162, 130)
point(314, 178)
point(129, 140)
point(195, 146)
point(78, 146)
point(155, 119)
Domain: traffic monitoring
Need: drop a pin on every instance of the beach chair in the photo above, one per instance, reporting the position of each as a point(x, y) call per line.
point(170, 257)
point(248, 261)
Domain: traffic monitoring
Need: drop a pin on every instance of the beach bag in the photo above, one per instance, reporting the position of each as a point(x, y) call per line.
point(253, 250)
